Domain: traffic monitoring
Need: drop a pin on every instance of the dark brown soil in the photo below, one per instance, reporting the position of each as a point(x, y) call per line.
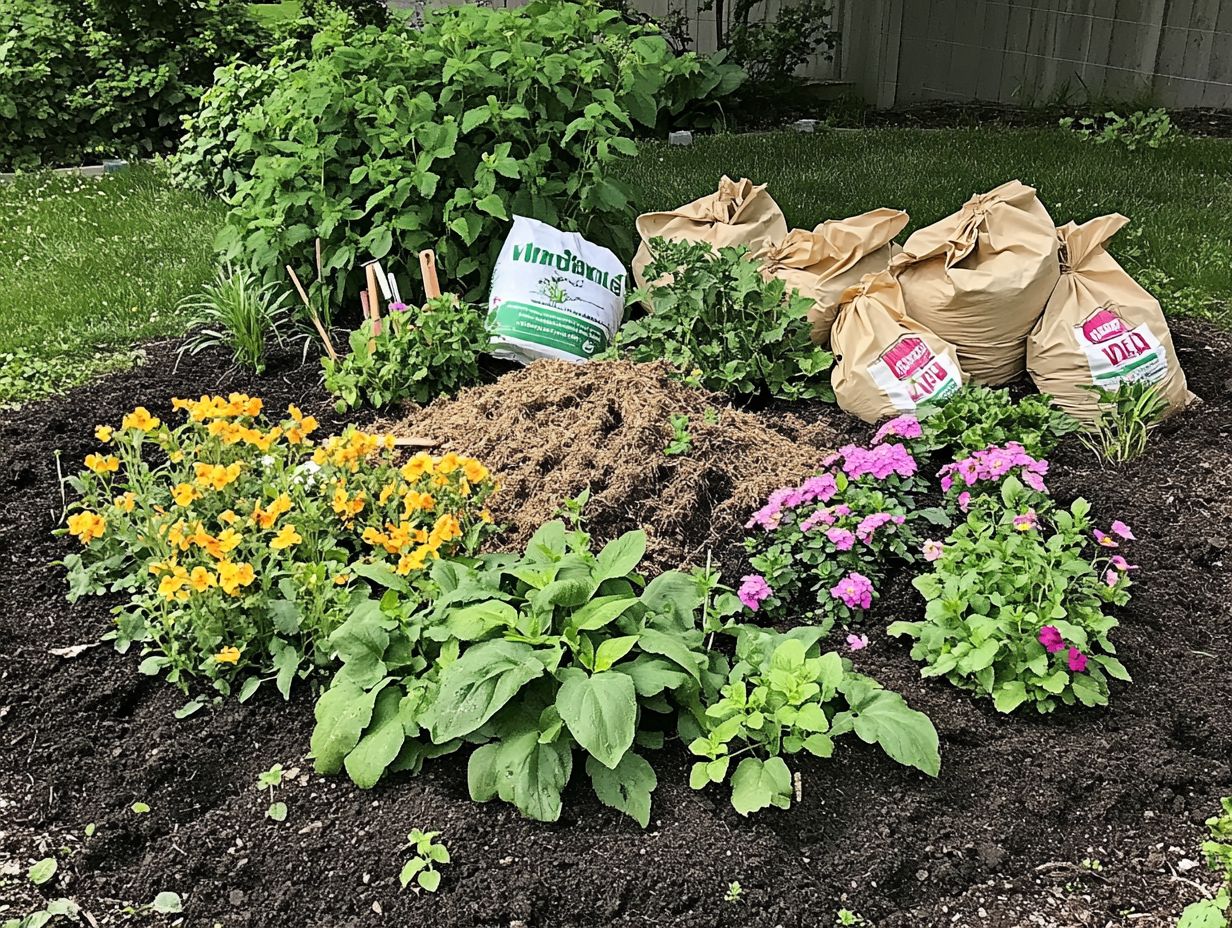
point(999, 839)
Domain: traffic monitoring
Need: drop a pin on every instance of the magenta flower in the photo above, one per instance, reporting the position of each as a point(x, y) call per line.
point(1026, 521)
point(1111, 577)
point(1077, 660)
point(1106, 541)
point(1120, 528)
point(1050, 638)
point(841, 538)
point(905, 426)
point(933, 550)
point(964, 500)
point(1121, 564)
point(754, 590)
point(880, 461)
point(857, 642)
point(855, 590)
point(397, 307)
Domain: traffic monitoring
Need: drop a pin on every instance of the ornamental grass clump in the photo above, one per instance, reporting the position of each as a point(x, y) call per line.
point(834, 536)
point(241, 542)
point(1017, 602)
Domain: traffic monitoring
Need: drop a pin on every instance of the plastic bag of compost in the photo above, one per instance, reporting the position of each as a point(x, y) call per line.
point(738, 213)
point(1100, 328)
point(554, 295)
point(980, 278)
point(837, 254)
point(886, 363)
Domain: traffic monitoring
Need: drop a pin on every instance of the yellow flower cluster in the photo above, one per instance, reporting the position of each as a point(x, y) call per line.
point(86, 526)
point(237, 405)
point(349, 450)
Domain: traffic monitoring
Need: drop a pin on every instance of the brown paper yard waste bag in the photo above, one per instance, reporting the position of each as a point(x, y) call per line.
point(738, 213)
point(980, 278)
point(1100, 328)
point(836, 255)
point(886, 363)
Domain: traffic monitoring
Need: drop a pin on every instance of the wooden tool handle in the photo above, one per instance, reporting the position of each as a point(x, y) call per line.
point(427, 264)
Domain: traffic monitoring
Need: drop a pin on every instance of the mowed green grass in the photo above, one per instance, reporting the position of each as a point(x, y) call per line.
point(91, 265)
point(1178, 198)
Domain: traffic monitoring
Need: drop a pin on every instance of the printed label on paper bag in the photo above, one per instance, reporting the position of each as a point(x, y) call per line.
point(911, 375)
point(1119, 354)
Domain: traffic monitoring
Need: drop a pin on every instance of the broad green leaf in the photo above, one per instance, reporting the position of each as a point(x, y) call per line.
point(621, 556)
point(483, 772)
point(652, 675)
point(1009, 696)
point(43, 871)
point(757, 784)
point(671, 647)
point(493, 205)
point(429, 880)
point(361, 642)
point(167, 903)
point(627, 787)
point(381, 741)
point(907, 736)
point(600, 612)
point(532, 775)
point(477, 685)
point(612, 650)
point(342, 713)
point(277, 812)
point(601, 713)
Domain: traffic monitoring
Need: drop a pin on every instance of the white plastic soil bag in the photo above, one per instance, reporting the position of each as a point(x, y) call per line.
point(554, 295)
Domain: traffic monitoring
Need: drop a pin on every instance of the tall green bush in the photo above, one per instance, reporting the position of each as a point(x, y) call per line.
point(108, 77)
point(385, 142)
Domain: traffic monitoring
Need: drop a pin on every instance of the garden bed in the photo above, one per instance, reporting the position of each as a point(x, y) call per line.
point(999, 839)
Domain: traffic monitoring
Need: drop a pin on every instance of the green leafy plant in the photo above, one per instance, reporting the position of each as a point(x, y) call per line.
point(418, 355)
point(1016, 604)
point(272, 779)
point(848, 917)
point(42, 871)
point(55, 909)
point(237, 312)
point(1126, 417)
point(1140, 129)
point(718, 320)
point(734, 892)
point(428, 852)
point(107, 77)
point(1215, 912)
point(386, 142)
point(529, 657)
point(783, 696)
point(977, 416)
point(682, 441)
point(771, 46)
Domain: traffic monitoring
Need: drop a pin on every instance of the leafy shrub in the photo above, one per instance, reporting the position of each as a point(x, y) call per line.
point(107, 77)
point(241, 543)
point(1214, 913)
point(715, 315)
point(418, 355)
point(1140, 129)
point(783, 696)
point(976, 417)
point(387, 142)
point(835, 535)
point(532, 656)
point(770, 46)
point(1016, 603)
point(363, 12)
point(237, 312)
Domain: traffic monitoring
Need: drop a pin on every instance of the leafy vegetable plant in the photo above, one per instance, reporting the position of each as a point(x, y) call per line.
point(1016, 604)
point(1126, 417)
point(419, 354)
point(977, 416)
point(421, 868)
point(784, 696)
point(717, 319)
point(1140, 129)
point(242, 543)
point(1216, 912)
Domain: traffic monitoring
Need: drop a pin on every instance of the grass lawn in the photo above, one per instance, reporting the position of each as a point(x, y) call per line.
point(92, 265)
point(89, 267)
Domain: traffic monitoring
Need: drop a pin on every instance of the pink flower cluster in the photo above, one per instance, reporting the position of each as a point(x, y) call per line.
point(855, 590)
point(817, 489)
point(905, 426)
point(1050, 637)
point(880, 461)
point(994, 463)
point(1118, 528)
point(754, 590)
point(870, 523)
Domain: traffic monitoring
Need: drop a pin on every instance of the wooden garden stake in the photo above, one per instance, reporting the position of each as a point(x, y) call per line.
point(312, 314)
point(427, 264)
point(374, 304)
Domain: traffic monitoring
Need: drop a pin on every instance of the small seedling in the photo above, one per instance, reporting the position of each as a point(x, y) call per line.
point(422, 866)
point(710, 416)
point(1092, 863)
point(571, 510)
point(272, 779)
point(42, 871)
point(682, 441)
point(734, 891)
point(90, 829)
point(140, 808)
point(848, 917)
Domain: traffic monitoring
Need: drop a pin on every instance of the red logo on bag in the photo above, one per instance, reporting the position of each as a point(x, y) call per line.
point(906, 356)
point(1103, 325)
